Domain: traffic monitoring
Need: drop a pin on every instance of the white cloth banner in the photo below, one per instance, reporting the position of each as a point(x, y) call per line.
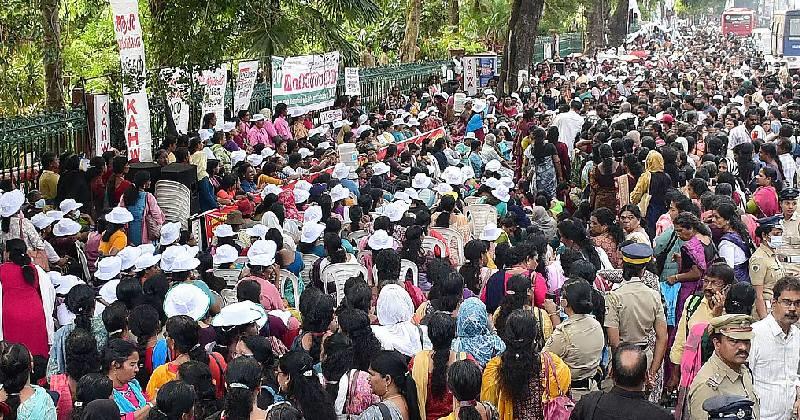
point(102, 125)
point(215, 82)
point(330, 116)
point(137, 127)
point(175, 79)
point(470, 75)
point(246, 80)
point(352, 82)
point(305, 83)
point(128, 33)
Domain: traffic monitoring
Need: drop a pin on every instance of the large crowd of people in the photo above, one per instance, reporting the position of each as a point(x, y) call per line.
point(613, 240)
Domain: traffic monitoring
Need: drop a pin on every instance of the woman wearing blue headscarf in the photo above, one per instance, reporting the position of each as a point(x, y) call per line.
point(474, 335)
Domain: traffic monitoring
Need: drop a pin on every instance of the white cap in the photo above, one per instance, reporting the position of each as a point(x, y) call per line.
point(395, 210)
point(339, 192)
point(69, 205)
point(170, 232)
point(186, 299)
point(63, 284)
point(490, 232)
point(228, 126)
point(421, 181)
point(311, 232)
point(55, 214)
point(224, 231)
point(380, 240)
point(238, 156)
point(304, 153)
point(301, 196)
point(443, 188)
point(302, 185)
point(271, 189)
point(257, 117)
point(66, 227)
point(340, 171)
point(11, 202)
point(267, 152)
point(312, 214)
point(501, 193)
point(41, 221)
point(452, 175)
point(184, 261)
point(236, 314)
point(119, 216)
point(255, 159)
point(108, 292)
point(225, 254)
point(257, 231)
point(146, 261)
point(262, 252)
point(494, 165)
point(108, 268)
point(380, 168)
point(128, 257)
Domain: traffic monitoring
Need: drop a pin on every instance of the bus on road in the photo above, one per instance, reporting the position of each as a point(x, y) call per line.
point(738, 21)
point(786, 37)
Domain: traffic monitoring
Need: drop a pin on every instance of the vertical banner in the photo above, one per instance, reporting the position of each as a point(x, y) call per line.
point(102, 127)
point(128, 33)
point(245, 81)
point(470, 75)
point(305, 83)
point(352, 82)
point(215, 82)
point(522, 77)
point(548, 51)
point(487, 69)
point(176, 80)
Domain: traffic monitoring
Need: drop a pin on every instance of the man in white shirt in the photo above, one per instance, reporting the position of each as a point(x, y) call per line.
point(569, 125)
point(742, 133)
point(775, 353)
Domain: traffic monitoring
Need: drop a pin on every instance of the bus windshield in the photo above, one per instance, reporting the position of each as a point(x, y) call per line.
point(737, 19)
point(793, 26)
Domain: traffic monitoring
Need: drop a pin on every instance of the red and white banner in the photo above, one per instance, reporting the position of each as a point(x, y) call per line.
point(102, 125)
point(128, 33)
point(245, 81)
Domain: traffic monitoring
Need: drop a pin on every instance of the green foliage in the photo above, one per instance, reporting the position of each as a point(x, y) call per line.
point(685, 8)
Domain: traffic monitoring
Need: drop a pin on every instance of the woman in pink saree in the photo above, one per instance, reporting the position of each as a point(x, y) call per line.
point(765, 200)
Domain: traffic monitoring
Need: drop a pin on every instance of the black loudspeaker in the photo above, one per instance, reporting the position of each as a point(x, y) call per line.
point(152, 167)
point(180, 172)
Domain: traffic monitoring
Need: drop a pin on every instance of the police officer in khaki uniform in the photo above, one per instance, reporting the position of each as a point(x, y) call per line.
point(789, 253)
point(765, 268)
point(634, 310)
point(725, 372)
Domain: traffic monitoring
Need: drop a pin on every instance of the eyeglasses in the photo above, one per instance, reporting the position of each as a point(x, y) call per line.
point(789, 303)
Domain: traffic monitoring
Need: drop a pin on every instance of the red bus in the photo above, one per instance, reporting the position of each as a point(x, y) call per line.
point(738, 21)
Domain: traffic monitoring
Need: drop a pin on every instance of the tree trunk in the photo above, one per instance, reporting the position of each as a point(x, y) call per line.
point(453, 14)
point(408, 48)
point(596, 21)
point(53, 61)
point(618, 26)
point(519, 48)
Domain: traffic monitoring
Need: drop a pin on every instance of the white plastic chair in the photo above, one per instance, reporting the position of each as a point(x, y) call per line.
point(287, 275)
point(338, 274)
point(228, 297)
point(480, 215)
point(355, 237)
point(174, 199)
point(429, 243)
point(87, 276)
point(230, 275)
point(455, 242)
point(472, 200)
point(348, 155)
point(308, 264)
point(405, 267)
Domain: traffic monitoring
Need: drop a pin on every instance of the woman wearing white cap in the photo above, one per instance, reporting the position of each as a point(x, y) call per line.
point(14, 225)
point(65, 235)
point(115, 237)
point(147, 215)
point(182, 263)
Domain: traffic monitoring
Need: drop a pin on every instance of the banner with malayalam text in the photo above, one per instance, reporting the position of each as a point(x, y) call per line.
point(102, 125)
point(305, 83)
point(245, 81)
point(128, 33)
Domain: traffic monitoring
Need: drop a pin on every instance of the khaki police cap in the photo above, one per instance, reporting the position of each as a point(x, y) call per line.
point(735, 326)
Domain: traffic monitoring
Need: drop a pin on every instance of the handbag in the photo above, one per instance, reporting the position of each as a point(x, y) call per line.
point(152, 222)
point(560, 407)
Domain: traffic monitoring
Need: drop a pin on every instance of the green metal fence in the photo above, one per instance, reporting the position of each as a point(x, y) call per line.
point(567, 44)
point(24, 139)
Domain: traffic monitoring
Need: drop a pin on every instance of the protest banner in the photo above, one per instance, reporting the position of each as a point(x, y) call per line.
point(215, 82)
point(128, 33)
point(470, 75)
point(176, 79)
point(245, 81)
point(487, 69)
point(102, 126)
point(305, 83)
point(137, 127)
point(326, 117)
point(352, 82)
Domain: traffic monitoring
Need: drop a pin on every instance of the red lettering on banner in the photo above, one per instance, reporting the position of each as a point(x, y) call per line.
point(132, 129)
point(130, 106)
